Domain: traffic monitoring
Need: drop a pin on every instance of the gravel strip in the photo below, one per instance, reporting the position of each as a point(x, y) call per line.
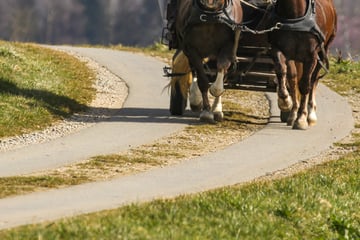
point(111, 92)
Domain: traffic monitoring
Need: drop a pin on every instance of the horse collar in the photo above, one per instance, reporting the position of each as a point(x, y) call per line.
point(199, 15)
point(307, 23)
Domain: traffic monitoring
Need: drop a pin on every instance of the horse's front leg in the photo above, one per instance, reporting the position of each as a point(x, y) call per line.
point(217, 88)
point(203, 83)
point(217, 109)
point(195, 97)
point(226, 56)
point(284, 99)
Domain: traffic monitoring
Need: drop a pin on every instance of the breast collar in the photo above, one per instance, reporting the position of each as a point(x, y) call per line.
point(307, 23)
point(199, 15)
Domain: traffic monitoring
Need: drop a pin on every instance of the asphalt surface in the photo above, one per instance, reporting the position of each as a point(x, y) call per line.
point(273, 148)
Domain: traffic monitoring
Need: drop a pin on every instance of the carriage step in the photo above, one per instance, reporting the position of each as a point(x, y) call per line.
point(253, 48)
point(252, 87)
point(260, 74)
point(258, 60)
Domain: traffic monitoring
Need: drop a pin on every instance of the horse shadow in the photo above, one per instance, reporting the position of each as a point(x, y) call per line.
point(56, 104)
point(158, 115)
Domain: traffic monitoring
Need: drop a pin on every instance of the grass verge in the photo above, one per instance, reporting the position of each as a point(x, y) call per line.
point(39, 86)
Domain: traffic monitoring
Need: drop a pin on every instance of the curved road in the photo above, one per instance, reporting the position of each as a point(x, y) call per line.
point(145, 118)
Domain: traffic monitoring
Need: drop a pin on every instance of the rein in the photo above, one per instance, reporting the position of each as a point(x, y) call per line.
point(243, 28)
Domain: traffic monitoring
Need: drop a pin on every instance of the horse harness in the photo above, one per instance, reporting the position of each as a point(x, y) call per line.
point(199, 15)
point(307, 23)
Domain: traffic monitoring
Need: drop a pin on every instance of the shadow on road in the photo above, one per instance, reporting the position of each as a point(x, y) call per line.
point(151, 115)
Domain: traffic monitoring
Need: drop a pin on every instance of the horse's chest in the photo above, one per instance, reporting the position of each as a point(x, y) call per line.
point(209, 36)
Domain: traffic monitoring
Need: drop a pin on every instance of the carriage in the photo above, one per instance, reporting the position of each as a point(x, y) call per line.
point(254, 66)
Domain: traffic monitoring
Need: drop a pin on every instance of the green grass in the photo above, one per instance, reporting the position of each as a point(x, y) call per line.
point(39, 86)
point(344, 77)
point(320, 203)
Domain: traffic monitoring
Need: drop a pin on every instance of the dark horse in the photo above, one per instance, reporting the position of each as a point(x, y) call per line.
point(299, 50)
point(207, 29)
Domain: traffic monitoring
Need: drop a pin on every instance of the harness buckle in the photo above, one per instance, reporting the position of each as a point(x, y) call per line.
point(203, 17)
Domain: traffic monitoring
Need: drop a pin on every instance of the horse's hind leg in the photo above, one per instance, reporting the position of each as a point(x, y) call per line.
point(284, 99)
point(293, 73)
point(305, 87)
point(312, 117)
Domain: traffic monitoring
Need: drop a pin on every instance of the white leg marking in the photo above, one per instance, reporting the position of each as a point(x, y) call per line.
point(195, 96)
point(217, 109)
point(217, 88)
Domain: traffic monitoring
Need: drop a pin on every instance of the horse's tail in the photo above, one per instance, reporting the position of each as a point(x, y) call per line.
point(181, 73)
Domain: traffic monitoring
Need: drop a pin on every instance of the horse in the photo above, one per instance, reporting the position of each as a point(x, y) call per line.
point(299, 49)
point(206, 29)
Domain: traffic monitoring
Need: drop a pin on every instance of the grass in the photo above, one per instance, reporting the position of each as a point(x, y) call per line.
point(320, 203)
point(344, 77)
point(39, 86)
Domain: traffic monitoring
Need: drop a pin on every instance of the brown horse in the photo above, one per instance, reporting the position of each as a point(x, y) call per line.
point(207, 29)
point(299, 50)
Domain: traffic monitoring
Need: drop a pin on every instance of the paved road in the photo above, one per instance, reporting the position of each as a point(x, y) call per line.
point(273, 148)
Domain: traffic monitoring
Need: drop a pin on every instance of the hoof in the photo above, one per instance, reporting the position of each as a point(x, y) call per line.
point(218, 116)
point(216, 92)
point(284, 116)
point(285, 104)
point(207, 117)
point(301, 125)
point(291, 119)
